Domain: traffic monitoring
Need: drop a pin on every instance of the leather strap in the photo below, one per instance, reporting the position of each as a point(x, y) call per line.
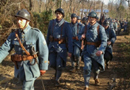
point(17, 58)
point(77, 28)
point(97, 44)
point(23, 48)
point(54, 26)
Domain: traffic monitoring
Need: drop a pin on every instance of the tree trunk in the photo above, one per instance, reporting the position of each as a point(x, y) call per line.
point(59, 3)
point(30, 5)
point(40, 4)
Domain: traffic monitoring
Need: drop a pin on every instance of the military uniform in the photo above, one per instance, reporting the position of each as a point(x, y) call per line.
point(111, 36)
point(59, 31)
point(27, 71)
point(76, 28)
point(111, 24)
point(115, 25)
point(85, 21)
point(93, 35)
point(79, 18)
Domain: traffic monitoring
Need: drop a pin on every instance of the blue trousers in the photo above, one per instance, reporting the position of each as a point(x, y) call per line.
point(28, 85)
point(75, 56)
point(56, 62)
point(89, 64)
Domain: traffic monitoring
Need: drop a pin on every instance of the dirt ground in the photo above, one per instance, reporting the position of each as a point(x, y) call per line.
point(70, 81)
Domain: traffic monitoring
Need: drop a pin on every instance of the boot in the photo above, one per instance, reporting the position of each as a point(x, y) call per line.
point(97, 82)
point(78, 67)
point(86, 88)
point(57, 83)
point(73, 70)
point(106, 65)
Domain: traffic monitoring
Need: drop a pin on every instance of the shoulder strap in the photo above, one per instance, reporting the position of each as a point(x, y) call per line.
point(85, 31)
point(53, 26)
point(98, 30)
point(62, 28)
point(23, 48)
point(77, 28)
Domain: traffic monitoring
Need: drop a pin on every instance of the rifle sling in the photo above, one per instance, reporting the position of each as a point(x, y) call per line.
point(23, 48)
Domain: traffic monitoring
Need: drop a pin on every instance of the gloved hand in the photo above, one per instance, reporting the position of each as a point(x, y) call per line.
point(42, 72)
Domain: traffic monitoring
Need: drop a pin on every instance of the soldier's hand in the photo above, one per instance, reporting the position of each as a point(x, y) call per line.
point(69, 54)
point(83, 36)
point(42, 72)
point(98, 53)
point(109, 42)
point(82, 47)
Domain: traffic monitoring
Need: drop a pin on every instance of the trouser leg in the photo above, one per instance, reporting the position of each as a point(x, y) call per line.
point(87, 69)
point(59, 66)
point(28, 85)
point(77, 56)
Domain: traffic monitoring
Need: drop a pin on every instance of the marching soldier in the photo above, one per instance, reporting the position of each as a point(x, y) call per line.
point(111, 37)
point(111, 24)
point(76, 28)
point(115, 26)
point(31, 51)
point(79, 19)
point(59, 38)
point(85, 21)
point(95, 44)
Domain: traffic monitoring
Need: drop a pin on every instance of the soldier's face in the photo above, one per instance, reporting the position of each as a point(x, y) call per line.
point(59, 15)
point(92, 20)
point(22, 23)
point(105, 26)
point(79, 21)
point(74, 20)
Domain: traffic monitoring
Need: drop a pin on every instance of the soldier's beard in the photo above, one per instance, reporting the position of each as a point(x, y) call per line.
point(59, 18)
point(92, 22)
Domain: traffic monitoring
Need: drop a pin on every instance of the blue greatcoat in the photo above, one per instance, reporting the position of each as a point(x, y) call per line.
point(93, 36)
point(91, 61)
point(29, 37)
point(111, 36)
point(76, 28)
point(59, 30)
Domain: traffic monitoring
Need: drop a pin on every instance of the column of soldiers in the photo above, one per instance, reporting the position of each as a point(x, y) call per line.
point(89, 39)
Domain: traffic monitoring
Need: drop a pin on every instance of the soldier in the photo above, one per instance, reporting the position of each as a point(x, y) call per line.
point(119, 27)
point(76, 28)
point(111, 37)
point(79, 19)
point(111, 24)
point(59, 34)
point(102, 19)
point(95, 44)
point(27, 41)
point(115, 26)
point(85, 21)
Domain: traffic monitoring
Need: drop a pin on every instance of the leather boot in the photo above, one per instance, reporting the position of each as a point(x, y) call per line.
point(57, 83)
point(73, 70)
point(97, 82)
point(86, 88)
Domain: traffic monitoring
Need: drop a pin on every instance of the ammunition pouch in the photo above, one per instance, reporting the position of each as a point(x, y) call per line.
point(18, 58)
point(75, 38)
point(59, 40)
point(51, 38)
